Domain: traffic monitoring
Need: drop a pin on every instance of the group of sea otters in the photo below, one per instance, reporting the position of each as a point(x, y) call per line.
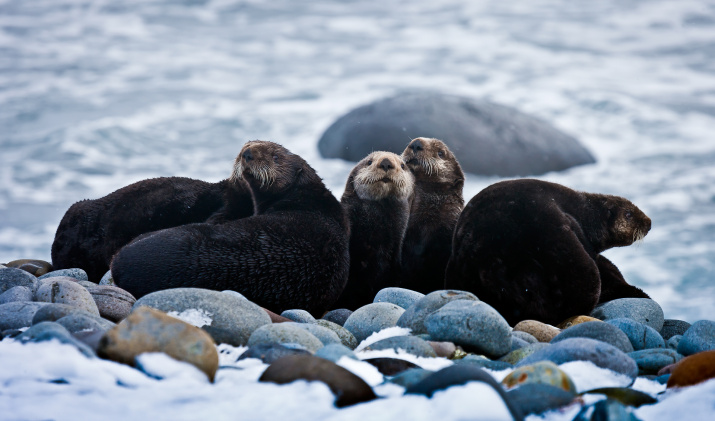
point(273, 232)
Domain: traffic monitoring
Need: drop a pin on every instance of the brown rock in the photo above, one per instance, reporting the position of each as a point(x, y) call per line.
point(65, 290)
point(668, 369)
point(275, 318)
point(443, 349)
point(390, 366)
point(113, 302)
point(576, 320)
point(150, 330)
point(35, 267)
point(694, 369)
point(348, 388)
point(541, 331)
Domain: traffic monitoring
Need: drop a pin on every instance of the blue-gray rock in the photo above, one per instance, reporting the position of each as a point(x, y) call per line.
point(606, 410)
point(479, 361)
point(325, 335)
point(338, 316)
point(535, 398)
point(268, 353)
point(74, 273)
point(410, 377)
point(234, 293)
point(13, 277)
point(410, 344)
point(347, 338)
point(599, 331)
point(64, 290)
point(663, 379)
point(107, 279)
point(641, 336)
point(334, 352)
point(46, 331)
point(112, 302)
point(674, 341)
point(672, 327)
point(297, 315)
point(53, 312)
point(372, 318)
point(228, 319)
point(18, 293)
point(458, 375)
point(414, 317)
point(77, 322)
point(524, 336)
point(472, 324)
point(642, 310)
point(285, 333)
point(650, 361)
point(585, 349)
point(399, 296)
point(517, 343)
point(18, 314)
point(517, 355)
point(489, 139)
point(625, 395)
point(699, 337)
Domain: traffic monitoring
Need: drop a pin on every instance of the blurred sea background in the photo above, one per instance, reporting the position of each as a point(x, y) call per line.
point(95, 95)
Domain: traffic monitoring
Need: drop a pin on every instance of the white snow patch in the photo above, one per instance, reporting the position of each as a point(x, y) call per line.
point(193, 316)
point(693, 403)
point(365, 371)
point(587, 376)
point(161, 366)
point(383, 334)
point(228, 354)
point(650, 387)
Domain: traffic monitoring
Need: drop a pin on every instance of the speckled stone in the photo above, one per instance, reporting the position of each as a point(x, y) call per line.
point(325, 335)
point(674, 341)
point(410, 344)
point(79, 321)
point(150, 330)
point(18, 293)
point(233, 320)
point(75, 273)
point(285, 333)
point(410, 377)
point(599, 331)
point(517, 343)
point(585, 349)
point(339, 316)
point(112, 302)
point(483, 362)
point(414, 317)
point(18, 314)
point(235, 294)
point(13, 277)
point(650, 361)
point(53, 312)
point(473, 324)
point(47, 331)
point(534, 398)
point(63, 290)
point(698, 338)
point(640, 336)
point(31, 266)
point(515, 356)
point(398, 296)
point(529, 338)
point(642, 310)
point(270, 353)
point(372, 318)
point(334, 352)
point(575, 320)
point(107, 279)
point(347, 338)
point(542, 372)
point(693, 370)
point(297, 315)
point(541, 331)
point(672, 327)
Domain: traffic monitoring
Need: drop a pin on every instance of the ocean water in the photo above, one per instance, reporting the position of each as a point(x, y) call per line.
point(95, 95)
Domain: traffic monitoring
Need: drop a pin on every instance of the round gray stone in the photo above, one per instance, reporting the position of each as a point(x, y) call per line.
point(77, 322)
point(53, 312)
point(535, 398)
point(700, 337)
point(107, 279)
point(585, 349)
point(489, 139)
point(642, 310)
point(75, 273)
point(482, 362)
point(519, 354)
point(650, 361)
point(18, 314)
point(410, 344)
point(410, 377)
point(13, 277)
point(399, 296)
point(270, 353)
point(285, 333)
point(672, 327)
point(232, 319)
point(415, 315)
point(674, 341)
point(338, 316)
point(599, 331)
point(297, 315)
point(529, 338)
point(372, 318)
point(472, 324)
point(641, 336)
point(334, 352)
point(346, 338)
point(18, 293)
point(235, 294)
point(325, 335)
point(517, 343)
point(112, 302)
point(46, 331)
point(64, 290)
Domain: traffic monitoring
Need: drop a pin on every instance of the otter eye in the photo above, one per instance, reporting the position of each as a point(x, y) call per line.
point(275, 157)
point(402, 166)
point(629, 215)
point(369, 162)
point(440, 154)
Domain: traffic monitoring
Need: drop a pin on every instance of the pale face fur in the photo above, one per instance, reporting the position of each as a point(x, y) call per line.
point(266, 163)
point(380, 175)
point(628, 223)
point(430, 158)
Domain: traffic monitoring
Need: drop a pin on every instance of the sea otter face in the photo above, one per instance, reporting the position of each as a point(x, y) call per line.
point(266, 166)
point(431, 159)
point(380, 175)
point(627, 223)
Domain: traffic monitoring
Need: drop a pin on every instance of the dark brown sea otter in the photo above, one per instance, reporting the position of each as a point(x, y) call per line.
point(435, 208)
point(376, 201)
point(531, 249)
point(293, 253)
point(92, 231)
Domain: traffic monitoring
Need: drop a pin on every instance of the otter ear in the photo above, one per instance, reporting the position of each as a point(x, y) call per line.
point(459, 182)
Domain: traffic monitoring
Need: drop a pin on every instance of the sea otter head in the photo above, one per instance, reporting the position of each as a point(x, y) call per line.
point(380, 175)
point(431, 160)
point(269, 167)
point(626, 223)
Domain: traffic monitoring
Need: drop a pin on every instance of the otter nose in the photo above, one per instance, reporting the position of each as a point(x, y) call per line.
point(647, 224)
point(247, 155)
point(416, 145)
point(386, 165)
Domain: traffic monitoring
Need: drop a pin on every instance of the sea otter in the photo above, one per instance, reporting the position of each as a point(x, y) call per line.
point(435, 207)
point(92, 231)
point(292, 253)
point(376, 201)
point(531, 249)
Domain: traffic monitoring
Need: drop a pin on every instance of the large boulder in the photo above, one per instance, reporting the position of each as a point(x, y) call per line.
point(486, 138)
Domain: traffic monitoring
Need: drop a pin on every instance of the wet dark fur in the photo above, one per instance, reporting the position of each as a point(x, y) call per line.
point(531, 249)
point(92, 231)
point(293, 253)
point(435, 208)
point(377, 228)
